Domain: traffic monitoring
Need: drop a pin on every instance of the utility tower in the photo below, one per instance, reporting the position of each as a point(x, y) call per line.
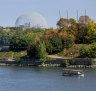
point(77, 17)
point(59, 14)
point(67, 18)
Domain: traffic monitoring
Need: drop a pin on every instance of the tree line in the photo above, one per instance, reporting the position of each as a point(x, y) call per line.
point(39, 42)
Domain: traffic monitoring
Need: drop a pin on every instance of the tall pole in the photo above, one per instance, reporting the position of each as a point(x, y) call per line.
point(67, 24)
point(85, 24)
point(77, 16)
point(85, 16)
point(67, 18)
point(59, 14)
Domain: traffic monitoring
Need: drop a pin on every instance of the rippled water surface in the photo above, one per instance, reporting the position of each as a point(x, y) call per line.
point(44, 79)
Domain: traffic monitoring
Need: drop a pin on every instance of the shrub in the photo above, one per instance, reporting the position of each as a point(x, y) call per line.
point(88, 51)
point(85, 51)
point(93, 50)
point(72, 62)
point(65, 63)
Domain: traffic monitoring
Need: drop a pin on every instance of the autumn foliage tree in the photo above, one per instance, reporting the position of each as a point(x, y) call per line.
point(62, 24)
point(84, 19)
point(52, 41)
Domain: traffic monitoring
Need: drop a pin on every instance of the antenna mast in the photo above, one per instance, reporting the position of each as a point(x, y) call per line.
point(67, 18)
point(77, 16)
point(59, 14)
point(85, 16)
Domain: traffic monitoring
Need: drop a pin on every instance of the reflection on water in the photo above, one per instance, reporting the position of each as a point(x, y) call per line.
point(44, 79)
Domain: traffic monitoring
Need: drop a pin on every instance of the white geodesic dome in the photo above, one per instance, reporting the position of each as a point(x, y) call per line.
point(31, 20)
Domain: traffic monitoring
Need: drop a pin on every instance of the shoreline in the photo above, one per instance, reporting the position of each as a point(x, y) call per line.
point(55, 62)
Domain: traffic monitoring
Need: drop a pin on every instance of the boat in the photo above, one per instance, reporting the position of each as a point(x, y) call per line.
point(71, 72)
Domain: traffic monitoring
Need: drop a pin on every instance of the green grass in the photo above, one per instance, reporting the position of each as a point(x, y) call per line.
point(18, 55)
point(11, 55)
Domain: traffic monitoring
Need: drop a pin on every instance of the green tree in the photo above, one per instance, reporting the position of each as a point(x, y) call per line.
point(91, 33)
point(41, 52)
point(23, 40)
point(85, 51)
point(54, 44)
point(37, 51)
point(52, 41)
point(93, 50)
point(88, 51)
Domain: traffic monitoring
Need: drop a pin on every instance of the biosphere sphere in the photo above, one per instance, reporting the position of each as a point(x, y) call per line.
point(31, 20)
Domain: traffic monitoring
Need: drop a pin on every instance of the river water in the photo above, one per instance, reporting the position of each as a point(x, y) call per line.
point(44, 79)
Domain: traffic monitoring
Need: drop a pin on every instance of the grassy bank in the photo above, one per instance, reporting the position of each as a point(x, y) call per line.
point(11, 55)
point(70, 52)
point(73, 52)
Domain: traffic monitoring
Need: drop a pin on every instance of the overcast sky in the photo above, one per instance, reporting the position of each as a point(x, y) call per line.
point(11, 9)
